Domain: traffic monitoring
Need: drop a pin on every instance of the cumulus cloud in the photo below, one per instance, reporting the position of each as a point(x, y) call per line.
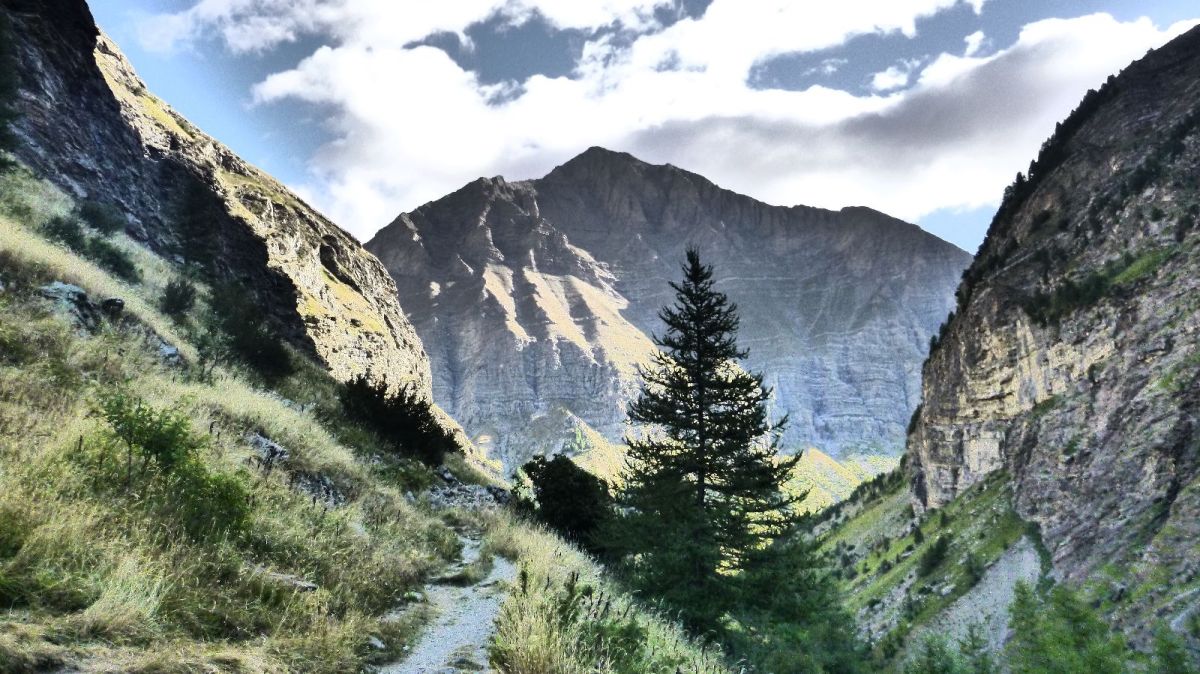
point(409, 124)
point(975, 42)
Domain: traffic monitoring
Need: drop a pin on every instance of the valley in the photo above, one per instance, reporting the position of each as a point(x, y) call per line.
point(233, 438)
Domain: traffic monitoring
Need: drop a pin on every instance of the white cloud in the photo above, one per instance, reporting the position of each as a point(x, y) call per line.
point(975, 42)
point(895, 77)
point(410, 125)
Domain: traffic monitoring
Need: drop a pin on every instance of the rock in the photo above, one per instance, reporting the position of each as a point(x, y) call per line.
point(376, 643)
point(551, 290)
point(269, 452)
point(1035, 366)
point(113, 307)
point(314, 283)
point(169, 353)
point(73, 301)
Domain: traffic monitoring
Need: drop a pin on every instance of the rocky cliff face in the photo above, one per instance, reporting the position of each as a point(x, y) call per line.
point(540, 296)
point(1073, 361)
point(88, 123)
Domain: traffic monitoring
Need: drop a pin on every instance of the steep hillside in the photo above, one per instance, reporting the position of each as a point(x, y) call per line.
point(1073, 363)
point(88, 123)
point(541, 295)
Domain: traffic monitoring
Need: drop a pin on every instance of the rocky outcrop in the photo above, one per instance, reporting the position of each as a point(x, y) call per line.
point(89, 124)
point(1073, 362)
point(542, 295)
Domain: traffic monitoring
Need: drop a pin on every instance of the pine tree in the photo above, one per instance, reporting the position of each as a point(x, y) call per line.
point(702, 486)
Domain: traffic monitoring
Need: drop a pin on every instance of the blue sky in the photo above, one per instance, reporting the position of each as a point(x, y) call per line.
point(920, 108)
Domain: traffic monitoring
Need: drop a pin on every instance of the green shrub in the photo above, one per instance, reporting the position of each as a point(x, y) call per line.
point(104, 218)
point(67, 231)
point(1061, 633)
point(933, 557)
point(113, 258)
point(178, 297)
point(207, 502)
point(402, 419)
point(162, 436)
point(569, 500)
point(243, 335)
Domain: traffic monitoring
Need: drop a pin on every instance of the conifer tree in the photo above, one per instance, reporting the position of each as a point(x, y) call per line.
point(702, 485)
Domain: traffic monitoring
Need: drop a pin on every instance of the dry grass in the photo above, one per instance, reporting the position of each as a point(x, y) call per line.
point(564, 616)
point(101, 577)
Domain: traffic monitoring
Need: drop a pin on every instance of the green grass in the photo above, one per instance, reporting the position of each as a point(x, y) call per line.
point(564, 616)
point(109, 578)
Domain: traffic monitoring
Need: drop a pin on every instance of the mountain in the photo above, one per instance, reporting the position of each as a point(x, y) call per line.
point(1072, 366)
point(538, 299)
point(89, 124)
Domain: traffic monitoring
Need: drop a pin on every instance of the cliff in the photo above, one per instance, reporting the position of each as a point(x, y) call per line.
point(87, 122)
point(1072, 364)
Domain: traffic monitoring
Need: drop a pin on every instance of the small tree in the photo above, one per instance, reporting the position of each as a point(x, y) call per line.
point(1060, 633)
point(162, 436)
point(703, 487)
point(569, 499)
point(178, 298)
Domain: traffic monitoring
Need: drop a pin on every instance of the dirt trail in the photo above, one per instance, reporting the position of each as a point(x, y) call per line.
point(456, 640)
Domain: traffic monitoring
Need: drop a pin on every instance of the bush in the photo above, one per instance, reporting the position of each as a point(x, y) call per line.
point(162, 436)
point(403, 419)
point(178, 298)
point(67, 231)
point(104, 218)
point(569, 499)
point(243, 335)
point(933, 557)
point(113, 258)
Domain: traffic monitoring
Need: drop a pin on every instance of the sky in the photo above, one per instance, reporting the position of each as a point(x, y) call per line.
point(923, 109)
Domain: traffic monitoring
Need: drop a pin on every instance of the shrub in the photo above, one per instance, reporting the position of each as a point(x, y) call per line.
point(569, 499)
point(933, 557)
point(67, 231)
point(243, 335)
point(403, 419)
point(104, 218)
point(178, 298)
point(113, 258)
point(162, 436)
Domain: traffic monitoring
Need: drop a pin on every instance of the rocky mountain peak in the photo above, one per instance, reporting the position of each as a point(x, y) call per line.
point(536, 300)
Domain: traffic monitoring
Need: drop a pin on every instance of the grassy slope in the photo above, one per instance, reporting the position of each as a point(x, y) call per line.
point(872, 538)
point(107, 579)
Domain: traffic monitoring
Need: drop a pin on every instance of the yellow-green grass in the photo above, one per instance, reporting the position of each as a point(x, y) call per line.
point(105, 577)
point(562, 615)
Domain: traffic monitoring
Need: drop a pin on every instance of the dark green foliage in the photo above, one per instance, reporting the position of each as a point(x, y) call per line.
point(914, 420)
point(113, 258)
point(198, 217)
point(935, 655)
point(178, 298)
point(1171, 654)
point(241, 334)
point(569, 500)
point(104, 218)
point(1061, 633)
point(67, 231)
point(402, 419)
point(161, 451)
point(791, 614)
point(974, 567)
point(703, 488)
point(934, 556)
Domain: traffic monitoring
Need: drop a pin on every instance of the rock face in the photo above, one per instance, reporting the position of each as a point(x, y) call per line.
point(1073, 361)
point(541, 295)
point(87, 122)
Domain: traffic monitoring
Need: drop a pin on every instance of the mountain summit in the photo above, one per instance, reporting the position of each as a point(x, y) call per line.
point(536, 300)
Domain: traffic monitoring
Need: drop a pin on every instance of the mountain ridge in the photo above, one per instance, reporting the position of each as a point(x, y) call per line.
point(553, 264)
